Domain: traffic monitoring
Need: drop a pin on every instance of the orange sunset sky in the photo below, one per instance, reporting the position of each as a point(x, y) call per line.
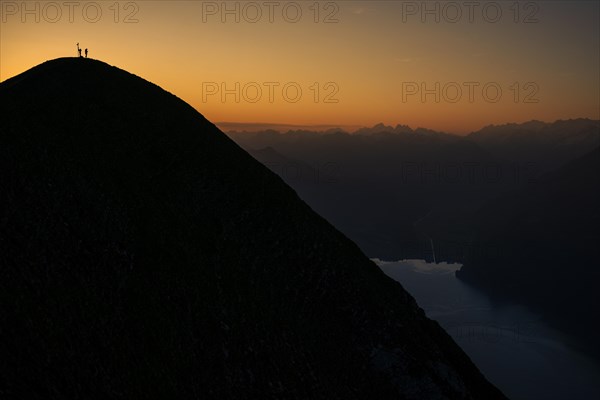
point(356, 63)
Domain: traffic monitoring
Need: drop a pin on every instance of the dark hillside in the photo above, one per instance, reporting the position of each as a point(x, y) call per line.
point(144, 254)
point(546, 235)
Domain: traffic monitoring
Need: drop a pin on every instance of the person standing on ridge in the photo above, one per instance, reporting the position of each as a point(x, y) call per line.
point(78, 50)
point(86, 53)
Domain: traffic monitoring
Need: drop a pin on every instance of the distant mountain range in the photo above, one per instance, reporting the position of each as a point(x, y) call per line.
point(395, 188)
point(376, 129)
point(546, 146)
point(144, 254)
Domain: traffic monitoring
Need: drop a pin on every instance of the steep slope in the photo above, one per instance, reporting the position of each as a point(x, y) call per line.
point(544, 240)
point(143, 254)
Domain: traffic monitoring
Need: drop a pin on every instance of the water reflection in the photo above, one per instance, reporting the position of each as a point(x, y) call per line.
point(513, 348)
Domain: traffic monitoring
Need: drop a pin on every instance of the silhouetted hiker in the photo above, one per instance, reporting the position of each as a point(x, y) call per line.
point(85, 53)
point(78, 50)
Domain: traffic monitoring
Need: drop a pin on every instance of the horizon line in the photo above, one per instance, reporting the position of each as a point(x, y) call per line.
point(252, 127)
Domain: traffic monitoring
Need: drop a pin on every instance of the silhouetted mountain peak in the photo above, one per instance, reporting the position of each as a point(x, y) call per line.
point(143, 253)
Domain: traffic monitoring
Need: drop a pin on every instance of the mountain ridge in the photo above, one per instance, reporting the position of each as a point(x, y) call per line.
point(144, 252)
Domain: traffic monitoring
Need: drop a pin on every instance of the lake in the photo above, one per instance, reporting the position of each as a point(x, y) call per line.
point(517, 352)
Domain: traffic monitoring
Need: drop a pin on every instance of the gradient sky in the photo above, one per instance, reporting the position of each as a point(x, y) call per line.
point(368, 59)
